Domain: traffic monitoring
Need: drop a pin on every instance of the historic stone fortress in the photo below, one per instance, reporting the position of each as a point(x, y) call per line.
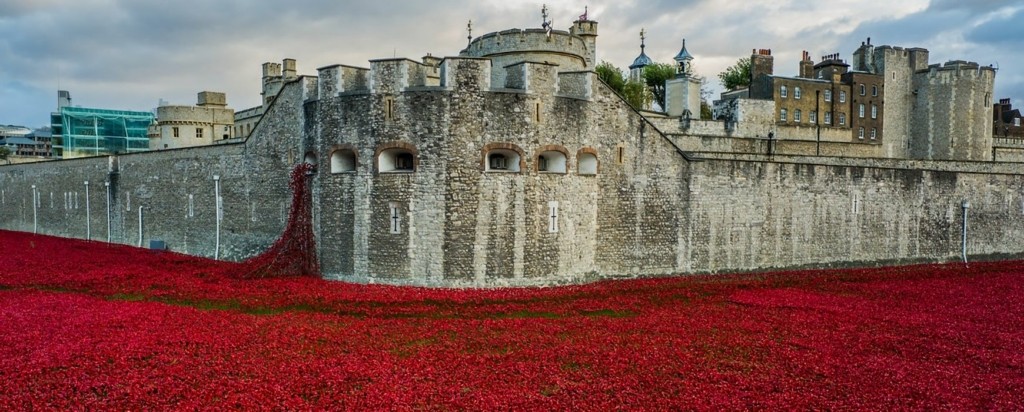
point(513, 164)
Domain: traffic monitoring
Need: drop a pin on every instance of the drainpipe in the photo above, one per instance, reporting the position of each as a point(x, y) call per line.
point(107, 185)
point(88, 224)
point(216, 185)
point(140, 226)
point(965, 205)
point(817, 121)
point(35, 214)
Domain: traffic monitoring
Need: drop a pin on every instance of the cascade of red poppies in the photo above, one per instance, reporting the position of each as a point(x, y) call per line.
point(294, 253)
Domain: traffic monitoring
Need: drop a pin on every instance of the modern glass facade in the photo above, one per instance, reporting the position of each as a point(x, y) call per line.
point(80, 132)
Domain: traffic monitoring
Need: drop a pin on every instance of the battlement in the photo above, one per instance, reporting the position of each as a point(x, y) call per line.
point(959, 67)
point(531, 42)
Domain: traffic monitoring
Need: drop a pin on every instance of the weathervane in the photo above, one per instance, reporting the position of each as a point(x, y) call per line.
point(643, 38)
point(544, 16)
point(586, 11)
point(469, 28)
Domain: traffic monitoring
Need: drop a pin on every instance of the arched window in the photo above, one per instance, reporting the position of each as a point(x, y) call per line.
point(797, 93)
point(399, 159)
point(502, 157)
point(343, 161)
point(783, 91)
point(551, 161)
point(586, 162)
point(502, 160)
point(310, 158)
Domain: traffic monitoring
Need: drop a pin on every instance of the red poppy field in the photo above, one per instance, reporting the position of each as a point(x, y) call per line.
point(92, 326)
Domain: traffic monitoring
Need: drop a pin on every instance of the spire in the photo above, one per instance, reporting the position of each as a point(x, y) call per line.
point(642, 60)
point(683, 59)
point(469, 28)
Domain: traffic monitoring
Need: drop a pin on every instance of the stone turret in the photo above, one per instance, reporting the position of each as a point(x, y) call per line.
point(682, 94)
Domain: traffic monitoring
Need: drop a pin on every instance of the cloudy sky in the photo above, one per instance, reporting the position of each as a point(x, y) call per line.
point(129, 54)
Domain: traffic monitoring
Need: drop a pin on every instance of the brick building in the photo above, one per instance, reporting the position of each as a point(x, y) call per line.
point(1006, 121)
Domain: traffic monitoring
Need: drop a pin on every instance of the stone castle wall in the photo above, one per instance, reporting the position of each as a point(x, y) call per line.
point(649, 210)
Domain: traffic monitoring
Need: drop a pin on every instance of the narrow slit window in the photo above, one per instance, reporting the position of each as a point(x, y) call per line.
point(395, 219)
point(621, 154)
point(552, 217)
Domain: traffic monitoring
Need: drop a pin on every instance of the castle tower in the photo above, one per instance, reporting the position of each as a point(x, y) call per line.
point(636, 70)
point(587, 30)
point(682, 94)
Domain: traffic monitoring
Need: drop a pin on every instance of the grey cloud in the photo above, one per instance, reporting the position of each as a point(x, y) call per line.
point(1002, 30)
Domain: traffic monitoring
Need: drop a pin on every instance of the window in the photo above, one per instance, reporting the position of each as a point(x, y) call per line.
point(174, 131)
point(1016, 122)
point(861, 110)
point(828, 117)
point(782, 115)
point(828, 95)
point(621, 154)
point(814, 117)
point(551, 162)
point(587, 163)
point(797, 93)
point(501, 160)
point(842, 119)
point(874, 133)
point(797, 116)
point(860, 133)
point(874, 90)
point(343, 161)
point(842, 96)
point(199, 133)
point(874, 112)
point(552, 217)
point(863, 90)
point(403, 161)
point(394, 219)
point(498, 161)
point(783, 91)
point(397, 160)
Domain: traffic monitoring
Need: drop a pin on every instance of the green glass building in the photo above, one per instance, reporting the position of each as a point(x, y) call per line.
point(80, 132)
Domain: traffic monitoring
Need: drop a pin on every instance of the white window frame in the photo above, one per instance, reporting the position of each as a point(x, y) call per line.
point(874, 133)
point(797, 93)
point(860, 110)
point(783, 115)
point(814, 117)
point(783, 91)
point(874, 112)
point(860, 133)
point(828, 95)
point(842, 96)
point(874, 90)
point(842, 119)
point(828, 117)
point(798, 116)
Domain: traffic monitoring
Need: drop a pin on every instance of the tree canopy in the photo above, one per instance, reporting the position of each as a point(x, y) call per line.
point(655, 76)
point(737, 75)
point(5, 153)
point(633, 92)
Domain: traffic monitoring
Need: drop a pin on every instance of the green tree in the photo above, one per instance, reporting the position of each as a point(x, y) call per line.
point(5, 154)
point(655, 76)
point(611, 76)
point(636, 94)
point(737, 75)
